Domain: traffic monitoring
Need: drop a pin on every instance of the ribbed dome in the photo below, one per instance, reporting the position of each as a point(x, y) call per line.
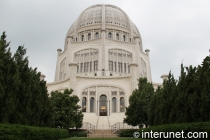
point(103, 16)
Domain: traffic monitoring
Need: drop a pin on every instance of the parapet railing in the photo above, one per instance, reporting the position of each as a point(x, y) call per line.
point(120, 125)
point(88, 126)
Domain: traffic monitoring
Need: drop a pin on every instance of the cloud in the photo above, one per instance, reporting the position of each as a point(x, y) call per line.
point(172, 30)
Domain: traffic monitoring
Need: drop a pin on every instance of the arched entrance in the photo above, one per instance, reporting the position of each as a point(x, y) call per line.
point(103, 105)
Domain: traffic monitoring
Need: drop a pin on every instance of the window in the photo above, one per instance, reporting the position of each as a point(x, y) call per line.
point(89, 36)
point(86, 65)
point(124, 38)
point(84, 104)
point(110, 35)
point(117, 37)
point(81, 67)
point(119, 67)
point(125, 67)
point(82, 38)
point(128, 69)
point(122, 104)
point(91, 104)
point(114, 104)
point(90, 66)
point(111, 65)
point(96, 35)
point(77, 68)
point(95, 65)
point(115, 66)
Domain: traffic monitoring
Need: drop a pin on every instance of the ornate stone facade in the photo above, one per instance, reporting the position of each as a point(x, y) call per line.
point(102, 59)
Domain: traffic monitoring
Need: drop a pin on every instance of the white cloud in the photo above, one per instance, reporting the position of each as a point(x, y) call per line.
point(173, 30)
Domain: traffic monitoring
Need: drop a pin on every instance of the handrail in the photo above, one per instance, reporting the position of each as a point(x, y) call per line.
point(120, 125)
point(88, 126)
point(97, 122)
point(108, 121)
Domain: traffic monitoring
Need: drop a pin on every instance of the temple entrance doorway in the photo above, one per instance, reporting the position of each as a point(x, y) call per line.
point(103, 105)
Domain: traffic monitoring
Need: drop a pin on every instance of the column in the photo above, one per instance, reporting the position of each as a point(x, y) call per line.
point(117, 61)
point(133, 79)
point(88, 102)
point(97, 109)
point(123, 67)
point(85, 36)
point(57, 66)
point(96, 99)
point(118, 100)
point(79, 61)
point(92, 35)
point(107, 107)
point(121, 35)
point(110, 95)
point(73, 71)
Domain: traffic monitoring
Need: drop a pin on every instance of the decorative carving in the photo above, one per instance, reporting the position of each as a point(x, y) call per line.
point(143, 68)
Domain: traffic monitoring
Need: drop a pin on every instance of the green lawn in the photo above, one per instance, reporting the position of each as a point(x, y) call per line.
point(100, 139)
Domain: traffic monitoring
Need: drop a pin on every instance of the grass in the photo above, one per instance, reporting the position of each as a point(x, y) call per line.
point(100, 139)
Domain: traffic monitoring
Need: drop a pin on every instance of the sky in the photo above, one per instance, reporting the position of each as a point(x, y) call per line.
point(175, 31)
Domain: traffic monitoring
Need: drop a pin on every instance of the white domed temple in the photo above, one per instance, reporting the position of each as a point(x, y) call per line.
point(101, 61)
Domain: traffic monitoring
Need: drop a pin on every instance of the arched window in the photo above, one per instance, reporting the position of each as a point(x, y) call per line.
point(110, 35)
point(84, 103)
point(124, 37)
point(114, 104)
point(89, 36)
point(82, 38)
point(122, 104)
point(117, 36)
point(96, 35)
point(91, 104)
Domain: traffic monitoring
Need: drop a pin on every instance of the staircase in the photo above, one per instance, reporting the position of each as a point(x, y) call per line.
point(103, 123)
point(102, 134)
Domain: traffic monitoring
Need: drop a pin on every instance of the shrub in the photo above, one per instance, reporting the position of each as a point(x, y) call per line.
point(77, 133)
point(22, 132)
point(127, 132)
point(185, 127)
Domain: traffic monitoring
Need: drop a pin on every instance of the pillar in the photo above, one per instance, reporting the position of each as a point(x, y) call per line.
point(57, 66)
point(73, 72)
point(133, 69)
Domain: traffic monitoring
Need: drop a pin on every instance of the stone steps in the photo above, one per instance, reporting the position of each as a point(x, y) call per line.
point(103, 123)
point(102, 134)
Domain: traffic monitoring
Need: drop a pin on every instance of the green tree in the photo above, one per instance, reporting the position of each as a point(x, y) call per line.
point(204, 81)
point(9, 83)
point(23, 97)
point(137, 111)
point(66, 112)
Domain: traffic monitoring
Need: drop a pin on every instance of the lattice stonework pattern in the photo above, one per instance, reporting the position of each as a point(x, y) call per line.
point(87, 60)
point(115, 16)
point(62, 70)
point(119, 60)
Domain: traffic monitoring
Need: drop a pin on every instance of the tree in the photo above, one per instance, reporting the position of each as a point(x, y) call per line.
point(137, 111)
point(23, 97)
point(9, 83)
point(204, 81)
point(66, 112)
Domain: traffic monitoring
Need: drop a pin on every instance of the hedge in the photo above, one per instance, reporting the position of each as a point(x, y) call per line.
point(77, 133)
point(23, 132)
point(185, 127)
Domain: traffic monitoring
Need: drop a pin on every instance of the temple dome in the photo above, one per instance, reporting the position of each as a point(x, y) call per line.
point(103, 16)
